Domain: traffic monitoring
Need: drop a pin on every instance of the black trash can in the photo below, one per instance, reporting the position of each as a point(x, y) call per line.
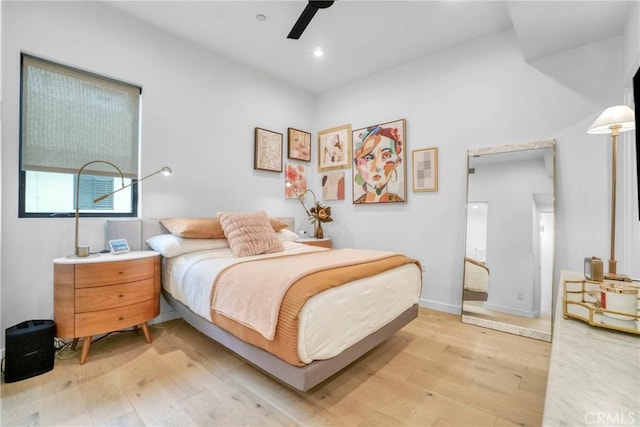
point(30, 349)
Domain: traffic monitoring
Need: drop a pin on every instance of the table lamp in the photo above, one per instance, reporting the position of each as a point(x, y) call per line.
point(166, 171)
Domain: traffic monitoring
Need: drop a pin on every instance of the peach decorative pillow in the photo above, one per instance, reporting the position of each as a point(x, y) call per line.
point(277, 224)
point(249, 233)
point(194, 228)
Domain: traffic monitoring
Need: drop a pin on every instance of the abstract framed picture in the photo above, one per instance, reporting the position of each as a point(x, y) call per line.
point(334, 148)
point(299, 145)
point(425, 169)
point(268, 150)
point(297, 174)
point(333, 185)
point(379, 171)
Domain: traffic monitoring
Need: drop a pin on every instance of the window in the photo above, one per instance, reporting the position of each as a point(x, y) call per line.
point(69, 118)
point(92, 187)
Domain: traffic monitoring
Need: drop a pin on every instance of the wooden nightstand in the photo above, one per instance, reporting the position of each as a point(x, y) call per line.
point(323, 243)
point(96, 295)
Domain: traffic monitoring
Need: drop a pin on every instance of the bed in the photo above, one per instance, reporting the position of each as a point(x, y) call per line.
point(316, 332)
point(476, 280)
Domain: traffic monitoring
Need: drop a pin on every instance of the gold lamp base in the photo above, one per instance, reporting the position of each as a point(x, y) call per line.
point(618, 277)
point(613, 275)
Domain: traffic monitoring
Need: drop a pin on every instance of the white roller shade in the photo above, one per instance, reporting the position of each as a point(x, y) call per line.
point(70, 118)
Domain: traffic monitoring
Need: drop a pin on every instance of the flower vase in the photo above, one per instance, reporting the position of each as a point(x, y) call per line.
point(318, 233)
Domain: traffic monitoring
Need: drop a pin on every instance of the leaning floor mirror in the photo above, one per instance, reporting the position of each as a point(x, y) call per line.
point(510, 238)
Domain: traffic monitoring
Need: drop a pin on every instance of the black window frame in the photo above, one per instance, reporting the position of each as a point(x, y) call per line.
point(22, 179)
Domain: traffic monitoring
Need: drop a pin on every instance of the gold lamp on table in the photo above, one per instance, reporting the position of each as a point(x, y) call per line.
point(78, 253)
point(614, 120)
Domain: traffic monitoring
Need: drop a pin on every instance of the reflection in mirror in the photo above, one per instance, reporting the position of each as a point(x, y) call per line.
point(508, 265)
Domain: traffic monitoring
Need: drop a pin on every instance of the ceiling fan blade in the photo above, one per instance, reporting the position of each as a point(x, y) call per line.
point(305, 17)
point(303, 20)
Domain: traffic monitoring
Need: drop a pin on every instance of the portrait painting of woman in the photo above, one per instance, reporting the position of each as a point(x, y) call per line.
point(379, 173)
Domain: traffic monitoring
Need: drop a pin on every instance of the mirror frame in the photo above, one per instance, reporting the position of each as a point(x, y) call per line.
point(505, 327)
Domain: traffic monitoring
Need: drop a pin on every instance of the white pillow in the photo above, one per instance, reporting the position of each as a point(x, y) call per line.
point(287, 235)
point(170, 245)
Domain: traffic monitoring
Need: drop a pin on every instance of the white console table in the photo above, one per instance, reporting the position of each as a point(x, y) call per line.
point(594, 373)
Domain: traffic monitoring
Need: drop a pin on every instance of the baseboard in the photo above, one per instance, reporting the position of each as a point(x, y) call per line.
point(511, 310)
point(438, 306)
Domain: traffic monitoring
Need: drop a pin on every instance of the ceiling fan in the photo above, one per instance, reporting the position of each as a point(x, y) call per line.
point(306, 16)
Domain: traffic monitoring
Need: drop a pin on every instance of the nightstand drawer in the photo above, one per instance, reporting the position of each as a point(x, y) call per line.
point(105, 297)
point(108, 273)
point(97, 322)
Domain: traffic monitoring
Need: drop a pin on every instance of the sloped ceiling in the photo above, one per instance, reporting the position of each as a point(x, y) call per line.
point(361, 38)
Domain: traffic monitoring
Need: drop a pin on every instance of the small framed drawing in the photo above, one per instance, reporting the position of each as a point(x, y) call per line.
point(268, 150)
point(296, 174)
point(299, 145)
point(425, 169)
point(334, 148)
point(333, 185)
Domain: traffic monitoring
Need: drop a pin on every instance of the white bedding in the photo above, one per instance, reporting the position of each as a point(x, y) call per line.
point(356, 309)
point(476, 277)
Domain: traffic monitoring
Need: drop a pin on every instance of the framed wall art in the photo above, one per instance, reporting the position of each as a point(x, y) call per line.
point(379, 171)
point(334, 148)
point(268, 150)
point(425, 169)
point(299, 145)
point(333, 185)
point(297, 174)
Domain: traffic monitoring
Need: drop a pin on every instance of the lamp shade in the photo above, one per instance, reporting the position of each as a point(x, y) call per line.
point(620, 116)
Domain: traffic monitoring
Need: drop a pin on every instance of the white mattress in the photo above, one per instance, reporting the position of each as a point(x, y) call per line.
point(329, 322)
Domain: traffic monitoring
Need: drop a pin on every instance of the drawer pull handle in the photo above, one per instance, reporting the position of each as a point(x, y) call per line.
point(121, 272)
point(120, 318)
point(120, 296)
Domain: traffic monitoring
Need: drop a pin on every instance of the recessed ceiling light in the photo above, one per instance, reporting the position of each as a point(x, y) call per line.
point(260, 17)
point(318, 52)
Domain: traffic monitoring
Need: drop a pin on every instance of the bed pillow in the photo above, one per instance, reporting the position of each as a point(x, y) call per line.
point(171, 246)
point(205, 228)
point(194, 228)
point(249, 233)
point(277, 224)
point(287, 235)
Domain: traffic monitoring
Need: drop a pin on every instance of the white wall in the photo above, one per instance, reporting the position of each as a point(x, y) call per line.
point(198, 116)
point(199, 112)
point(480, 94)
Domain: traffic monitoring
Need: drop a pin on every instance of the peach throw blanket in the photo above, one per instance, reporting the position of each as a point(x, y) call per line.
point(239, 286)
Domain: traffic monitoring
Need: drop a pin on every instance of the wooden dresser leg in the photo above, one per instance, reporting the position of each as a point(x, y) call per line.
point(86, 343)
point(147, 335)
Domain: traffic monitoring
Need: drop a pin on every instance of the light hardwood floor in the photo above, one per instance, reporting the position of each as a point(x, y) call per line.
point(434, 372)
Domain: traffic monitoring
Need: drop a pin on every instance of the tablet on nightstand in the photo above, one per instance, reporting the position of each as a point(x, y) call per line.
point(119, 246)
